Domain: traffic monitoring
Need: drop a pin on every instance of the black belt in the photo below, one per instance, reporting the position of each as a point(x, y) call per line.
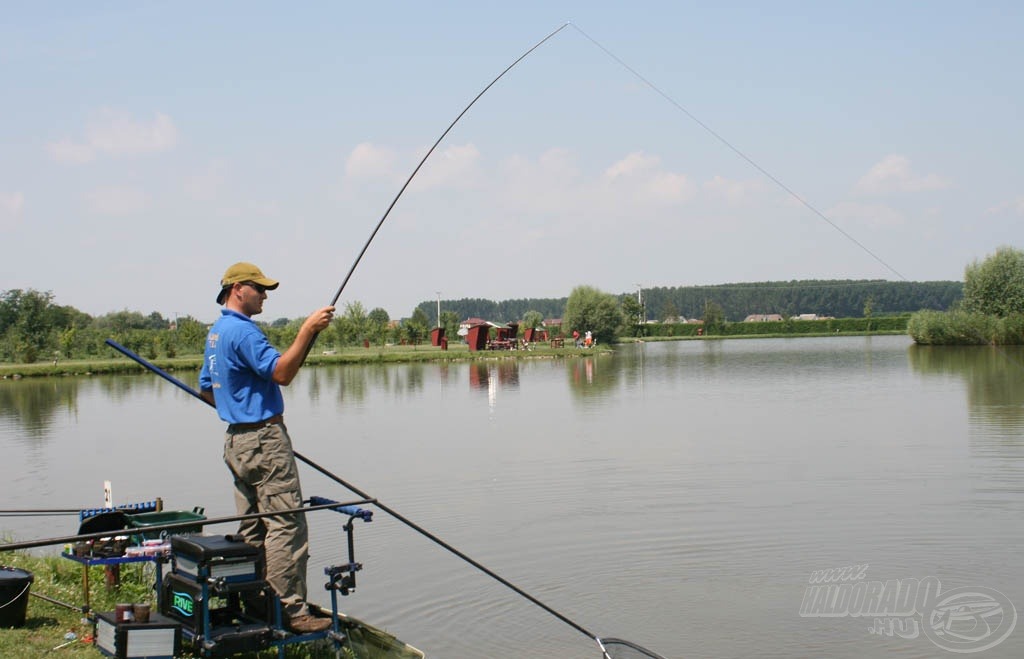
point(245, 427)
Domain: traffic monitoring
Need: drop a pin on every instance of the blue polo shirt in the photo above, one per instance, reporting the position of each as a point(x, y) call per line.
point(238, 365)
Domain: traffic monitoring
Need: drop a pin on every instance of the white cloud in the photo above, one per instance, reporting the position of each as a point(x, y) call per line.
point(732, 191)
point(876, 215)
point(117, 201)
point(648, 181)
point(71, 153)
point(116, 133)
point(12, 205)
point(370, 161)
point(549, 185)
point(893, 174)
point(668, 187)
point(452, 167)
point(1016, 207)
point(558, 162)
point(634, 163)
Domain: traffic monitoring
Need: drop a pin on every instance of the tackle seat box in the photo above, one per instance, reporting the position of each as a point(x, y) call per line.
point(159, 638)
point(229, 631)
point(202, 557)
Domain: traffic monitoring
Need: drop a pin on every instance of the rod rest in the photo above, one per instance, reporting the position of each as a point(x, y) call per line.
point(127, 508)
point(352, 511)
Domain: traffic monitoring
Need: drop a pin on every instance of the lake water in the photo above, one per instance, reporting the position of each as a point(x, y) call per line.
point(681, 495)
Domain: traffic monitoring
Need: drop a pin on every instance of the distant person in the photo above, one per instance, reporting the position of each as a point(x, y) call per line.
point(242, 375)
point(588, 339)
point(576, 338)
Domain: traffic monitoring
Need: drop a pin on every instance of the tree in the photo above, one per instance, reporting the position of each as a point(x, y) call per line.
point(353, 327)
point(669, 312)
point(632, 314)
point(282, 337)
point(995, 286)
point(67, 341)
point(155, 321)
point(416, 327)
point(450, 323)
point(28, 323)
point(714, 317)
point(532, 319)
point(190, 335)
point(379, 316)
point(377, 321)
point(589, 309)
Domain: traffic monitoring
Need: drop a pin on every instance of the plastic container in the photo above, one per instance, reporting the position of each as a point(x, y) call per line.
point(14, 587)
point(144, 520)
point(140, 612)
point(124, 612)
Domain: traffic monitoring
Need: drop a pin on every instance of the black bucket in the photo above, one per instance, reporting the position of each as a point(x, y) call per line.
point(14, 585)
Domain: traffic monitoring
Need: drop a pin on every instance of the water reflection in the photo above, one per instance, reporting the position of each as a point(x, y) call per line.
point(591, 377)
point(486, 376)
point(31, 405)
point(994, 378)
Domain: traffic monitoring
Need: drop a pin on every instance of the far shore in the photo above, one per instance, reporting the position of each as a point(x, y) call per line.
point(391, 354)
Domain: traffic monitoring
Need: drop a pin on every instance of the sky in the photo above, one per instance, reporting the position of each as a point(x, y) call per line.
point(147, 146)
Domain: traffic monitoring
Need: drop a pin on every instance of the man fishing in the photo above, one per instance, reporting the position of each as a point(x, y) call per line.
point(242, 375)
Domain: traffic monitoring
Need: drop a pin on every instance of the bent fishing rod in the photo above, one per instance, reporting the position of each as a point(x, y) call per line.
point(601, 642)
point(415, 171)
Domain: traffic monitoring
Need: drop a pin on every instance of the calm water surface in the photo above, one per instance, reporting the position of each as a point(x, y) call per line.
point(680, 495)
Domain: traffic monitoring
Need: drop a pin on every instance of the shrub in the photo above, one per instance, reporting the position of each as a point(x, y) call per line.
point(952, 328)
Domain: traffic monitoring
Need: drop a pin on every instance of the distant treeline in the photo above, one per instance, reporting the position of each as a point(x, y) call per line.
point(33, 328)
point(837, 298)
point(499, 312)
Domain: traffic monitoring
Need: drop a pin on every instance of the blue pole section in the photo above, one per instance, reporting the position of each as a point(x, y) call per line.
point(155, 369)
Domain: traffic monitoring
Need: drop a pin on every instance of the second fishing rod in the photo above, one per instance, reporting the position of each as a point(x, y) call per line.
point(602, 642)
point(352, 488)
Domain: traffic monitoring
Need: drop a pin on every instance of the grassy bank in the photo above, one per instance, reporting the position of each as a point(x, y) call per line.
point(118, 364)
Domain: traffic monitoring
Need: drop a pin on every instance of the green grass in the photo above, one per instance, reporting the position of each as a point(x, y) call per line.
point(46, 624)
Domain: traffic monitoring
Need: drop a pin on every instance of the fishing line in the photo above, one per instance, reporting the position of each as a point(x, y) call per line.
point(735, 150)
point(761, 169)
point(601, 642)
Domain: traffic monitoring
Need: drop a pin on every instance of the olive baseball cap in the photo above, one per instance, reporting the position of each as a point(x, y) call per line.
point(240, 272)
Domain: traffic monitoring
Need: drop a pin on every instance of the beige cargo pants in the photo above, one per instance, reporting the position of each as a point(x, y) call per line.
point(267, 479)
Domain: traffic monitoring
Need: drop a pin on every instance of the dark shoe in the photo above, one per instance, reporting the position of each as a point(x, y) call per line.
point(307, 624)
